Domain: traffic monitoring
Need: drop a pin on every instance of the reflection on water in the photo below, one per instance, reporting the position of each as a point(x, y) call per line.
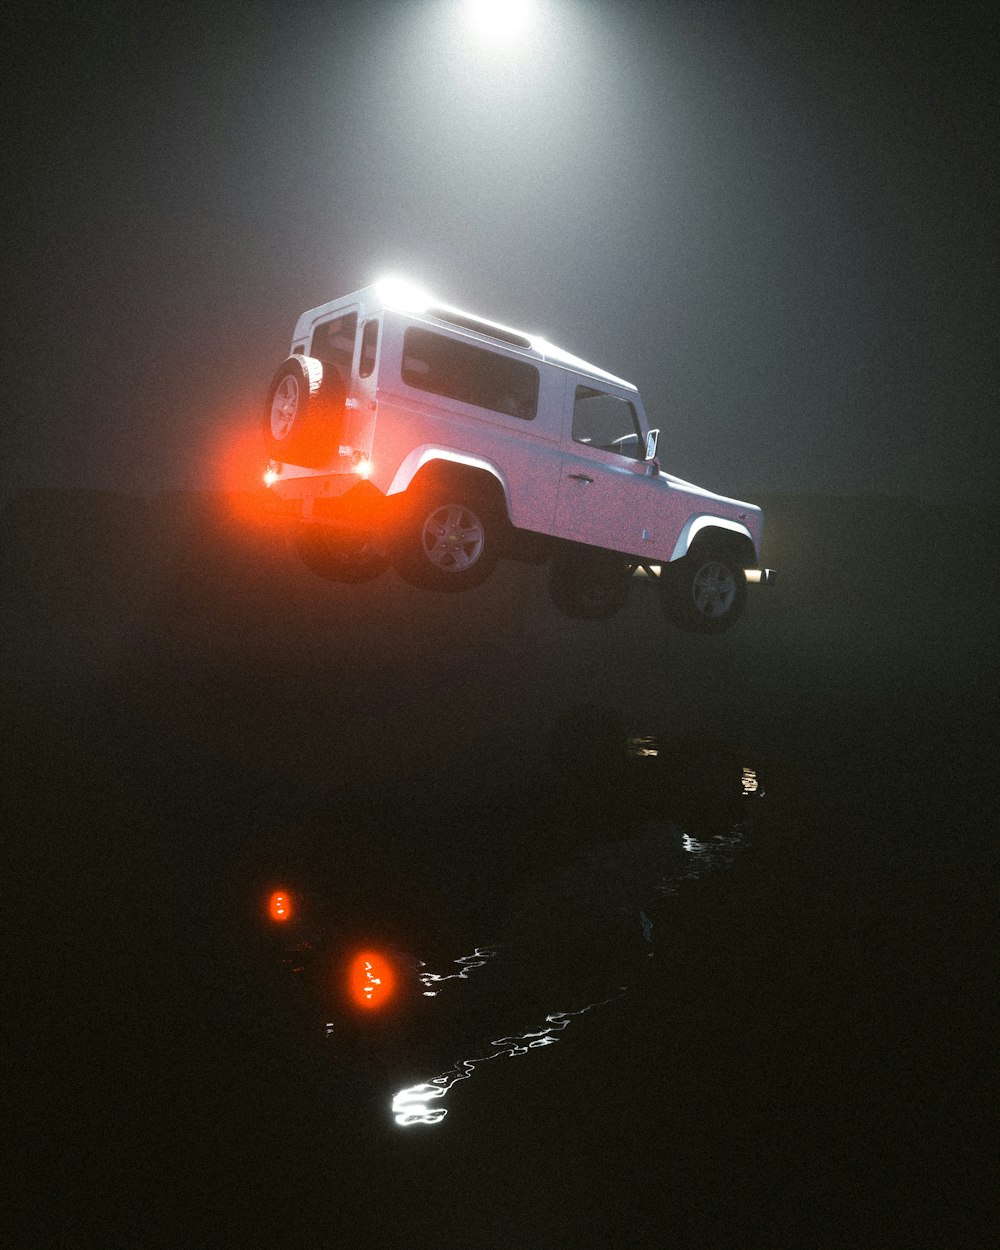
point(641, 748)
point(592, 916)
point(719, 851)
point(421, 1103)
point(371, 980)
point(465, 964)
point(279, 906)
point(411, 1105)
point(709, 855)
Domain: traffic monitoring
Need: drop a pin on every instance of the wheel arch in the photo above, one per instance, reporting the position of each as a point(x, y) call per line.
point(439, 466)
point(702, 531)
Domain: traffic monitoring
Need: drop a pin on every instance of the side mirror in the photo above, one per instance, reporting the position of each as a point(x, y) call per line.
point(651, 439)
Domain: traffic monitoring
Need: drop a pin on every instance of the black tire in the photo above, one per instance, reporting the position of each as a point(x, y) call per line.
point(304, 413)
point(705, 592)
point(341, 555)
point(449, 538)
point(589, 585)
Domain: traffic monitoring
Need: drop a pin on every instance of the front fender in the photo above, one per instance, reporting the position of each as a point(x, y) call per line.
point(694, 525)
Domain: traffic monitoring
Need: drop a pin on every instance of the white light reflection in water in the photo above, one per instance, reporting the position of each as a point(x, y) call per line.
point(466, 964)
point(717, 852)
point(693, 858)
point(411, 1105)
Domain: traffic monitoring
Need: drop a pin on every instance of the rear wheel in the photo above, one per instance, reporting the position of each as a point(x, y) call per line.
point(705, 592)
point(589, 585)
point(341, 555)
point(449, 540)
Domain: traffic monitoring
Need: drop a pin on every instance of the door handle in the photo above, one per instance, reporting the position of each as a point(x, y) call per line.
point(581, 477)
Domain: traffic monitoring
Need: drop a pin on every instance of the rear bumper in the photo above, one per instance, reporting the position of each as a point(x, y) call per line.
point(341, 500)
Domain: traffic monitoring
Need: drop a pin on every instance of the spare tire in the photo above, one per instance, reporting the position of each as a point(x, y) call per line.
point(304, 414)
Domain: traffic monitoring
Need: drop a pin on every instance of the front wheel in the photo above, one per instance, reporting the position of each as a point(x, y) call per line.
point(449, 541)
point(703, 593)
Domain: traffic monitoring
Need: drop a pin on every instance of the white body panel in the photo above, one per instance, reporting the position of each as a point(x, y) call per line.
point(552, 484)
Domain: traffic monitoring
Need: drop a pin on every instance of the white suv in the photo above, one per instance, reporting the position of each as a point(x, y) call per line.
point(402, 430)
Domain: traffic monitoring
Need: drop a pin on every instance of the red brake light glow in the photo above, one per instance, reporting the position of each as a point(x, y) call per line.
point(371, 980)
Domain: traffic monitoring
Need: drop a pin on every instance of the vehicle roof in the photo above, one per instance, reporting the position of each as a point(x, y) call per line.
point(421, 307)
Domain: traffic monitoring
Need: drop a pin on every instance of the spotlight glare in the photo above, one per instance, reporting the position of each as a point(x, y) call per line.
point(401, 294)
point(500, 21)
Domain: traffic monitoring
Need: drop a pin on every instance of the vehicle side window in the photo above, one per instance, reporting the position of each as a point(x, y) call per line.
point(606, 421)
point(472, 375)
point(333, 341)
point(369, 346)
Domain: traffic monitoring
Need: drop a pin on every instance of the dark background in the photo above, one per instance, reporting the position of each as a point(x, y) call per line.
point(778, 221)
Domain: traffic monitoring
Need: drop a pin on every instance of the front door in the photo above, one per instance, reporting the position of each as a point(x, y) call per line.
point(606, 496)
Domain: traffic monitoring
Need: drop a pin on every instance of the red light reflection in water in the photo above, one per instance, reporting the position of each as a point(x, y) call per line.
point(370, 980)
point(279, 906)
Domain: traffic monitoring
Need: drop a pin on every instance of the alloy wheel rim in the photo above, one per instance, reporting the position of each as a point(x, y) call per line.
point(284, 406)
point(453, 538)
point(714, 589)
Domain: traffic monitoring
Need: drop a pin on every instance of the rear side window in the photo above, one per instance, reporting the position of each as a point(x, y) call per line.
point(606, 421)
point(472, 375)
point(369, 346)
point(333, 341)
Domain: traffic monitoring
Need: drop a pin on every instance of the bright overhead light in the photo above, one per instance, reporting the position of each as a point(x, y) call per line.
point(500, 21)
point(401, 295)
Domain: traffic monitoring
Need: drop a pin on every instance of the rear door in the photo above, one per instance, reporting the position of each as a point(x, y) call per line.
point(335, 342)
point(334, 338)
point(361, 423)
